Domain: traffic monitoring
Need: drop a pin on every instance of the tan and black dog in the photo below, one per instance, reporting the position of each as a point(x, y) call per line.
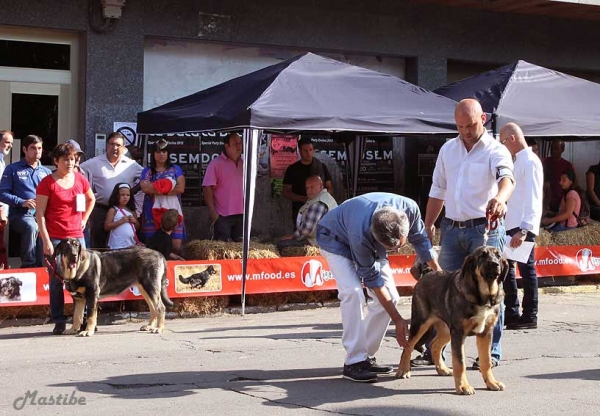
point(458, 304)
point(89, 275)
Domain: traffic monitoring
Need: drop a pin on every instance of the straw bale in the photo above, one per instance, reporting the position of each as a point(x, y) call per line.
point(34, 311)
point(219, 250)
point(267, 299)
point(544, 239)
point(584, 236)
point(200, 306)
point(283, 298)
point(303, 251)
point(313, 296)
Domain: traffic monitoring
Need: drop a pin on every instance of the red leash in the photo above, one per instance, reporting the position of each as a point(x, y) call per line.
point(52, 267)
point(491, 223)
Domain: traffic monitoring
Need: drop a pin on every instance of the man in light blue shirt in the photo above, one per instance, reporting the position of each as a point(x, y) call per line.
point(17, 190)
point(355, 239)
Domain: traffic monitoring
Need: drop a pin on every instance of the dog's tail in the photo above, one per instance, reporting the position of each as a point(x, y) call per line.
point(185, 279)
point(163, 290)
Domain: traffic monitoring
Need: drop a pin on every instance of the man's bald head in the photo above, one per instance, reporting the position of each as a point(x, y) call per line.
point(470, 118)
point(314, 185)
point(469, 107)
point(512, 137)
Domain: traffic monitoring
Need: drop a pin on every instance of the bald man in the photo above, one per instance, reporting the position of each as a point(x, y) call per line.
point(318, 204)
point(473, 174)
point(523, 216)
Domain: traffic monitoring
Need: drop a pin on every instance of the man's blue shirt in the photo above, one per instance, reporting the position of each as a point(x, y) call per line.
point(18, 184)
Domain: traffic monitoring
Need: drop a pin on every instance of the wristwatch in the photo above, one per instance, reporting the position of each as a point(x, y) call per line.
point(523, 232)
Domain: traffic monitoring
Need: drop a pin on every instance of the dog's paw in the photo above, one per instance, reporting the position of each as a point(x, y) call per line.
point(443, 370)
point(402, 373)
point(465, 390)
point(156, 330)
point(71, 331)
point(495, 386)
point(148, 328)
point(86, 333)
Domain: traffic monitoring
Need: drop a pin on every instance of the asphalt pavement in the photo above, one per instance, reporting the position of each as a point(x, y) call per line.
point(290, 363)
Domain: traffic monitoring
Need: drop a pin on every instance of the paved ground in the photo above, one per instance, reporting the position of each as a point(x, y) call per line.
point(284, 363)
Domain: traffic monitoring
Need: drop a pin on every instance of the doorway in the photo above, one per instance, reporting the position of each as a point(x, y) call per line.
point(36, 114)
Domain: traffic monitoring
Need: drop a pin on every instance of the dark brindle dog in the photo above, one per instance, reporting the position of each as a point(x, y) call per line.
point(458, 304)
point(198, 280)
point(91, 275)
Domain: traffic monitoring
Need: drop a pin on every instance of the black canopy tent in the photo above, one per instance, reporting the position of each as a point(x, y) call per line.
point(544, 102)
point(305, 93)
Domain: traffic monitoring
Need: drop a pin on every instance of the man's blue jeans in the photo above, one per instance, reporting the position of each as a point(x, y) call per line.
point(31, 247)
point(57, 294)
point(457, 244)
point(530, 287)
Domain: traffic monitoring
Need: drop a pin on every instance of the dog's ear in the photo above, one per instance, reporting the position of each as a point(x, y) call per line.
point(469, 265)
point(58, 248)
point(82, 252)
point(503, 270)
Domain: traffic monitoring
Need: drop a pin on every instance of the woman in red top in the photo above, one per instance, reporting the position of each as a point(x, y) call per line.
point(64, 201)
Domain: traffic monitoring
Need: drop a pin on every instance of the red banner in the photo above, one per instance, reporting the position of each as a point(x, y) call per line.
point(288, 274)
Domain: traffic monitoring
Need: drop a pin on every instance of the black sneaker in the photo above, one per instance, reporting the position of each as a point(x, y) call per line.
point(422, 360)
point(522, 325)
point(477, 366)
point(359, 372)
point(59, 329)
point(378, 369)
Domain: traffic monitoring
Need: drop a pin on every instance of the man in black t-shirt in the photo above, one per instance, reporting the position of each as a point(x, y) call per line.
point(294, 180)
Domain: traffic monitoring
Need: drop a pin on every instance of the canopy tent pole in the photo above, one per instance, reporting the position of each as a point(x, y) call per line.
point(250, 138)
point(354, 153)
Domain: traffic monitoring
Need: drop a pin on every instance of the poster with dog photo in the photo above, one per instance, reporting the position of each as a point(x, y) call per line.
point(18, 287)
point(198, 278)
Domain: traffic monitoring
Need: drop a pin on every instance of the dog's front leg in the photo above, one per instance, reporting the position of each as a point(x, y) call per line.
point(92, 310)
point(437, 345)
point(79, 306)
point(484, 343)
point(458, 364)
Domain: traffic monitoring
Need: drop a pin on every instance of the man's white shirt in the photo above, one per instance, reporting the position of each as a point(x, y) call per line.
point(466, 181)
point(103, 176)
point(525, 205)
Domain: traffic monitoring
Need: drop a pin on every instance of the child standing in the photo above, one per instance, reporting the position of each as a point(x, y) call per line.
point(121, 221)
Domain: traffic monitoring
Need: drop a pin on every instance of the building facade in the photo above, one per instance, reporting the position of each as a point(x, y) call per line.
point(68, 72)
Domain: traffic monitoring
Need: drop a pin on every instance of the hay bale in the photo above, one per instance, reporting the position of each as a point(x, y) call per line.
point(544, 239)
point(219, 250)
point(28, 312)
point(285, 298)
point(313, 296)
point(200, 306)
point(267, 299)
point(584, 236)
point(302, 251)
